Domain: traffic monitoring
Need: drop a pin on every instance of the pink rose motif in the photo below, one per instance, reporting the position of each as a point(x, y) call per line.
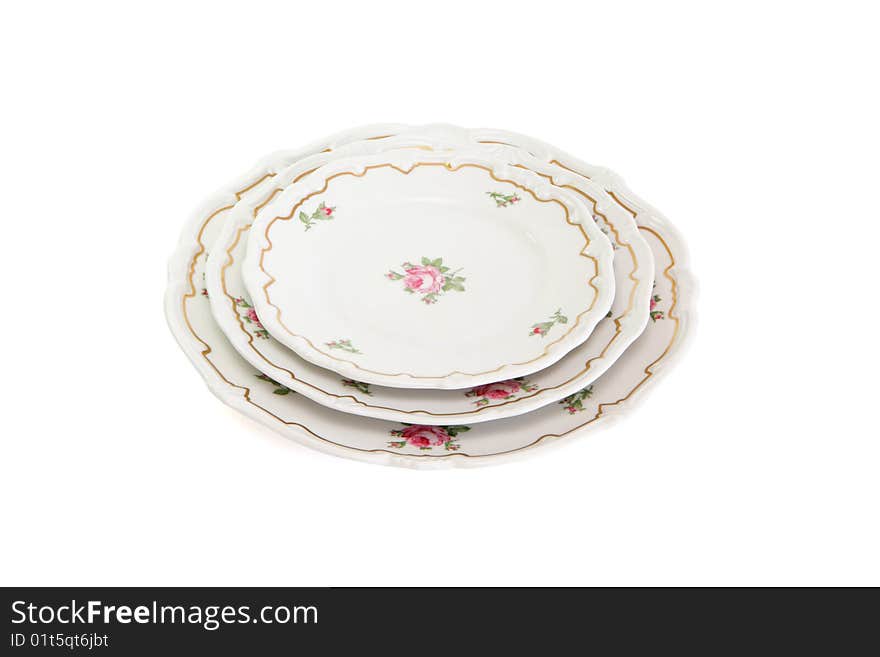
point(419, 435)
point(424, 279)
point(252, 315)
point(499, 390)
point(653, 303)
point(328, 211)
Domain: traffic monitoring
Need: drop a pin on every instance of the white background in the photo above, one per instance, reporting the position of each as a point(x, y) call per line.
point(752, 126)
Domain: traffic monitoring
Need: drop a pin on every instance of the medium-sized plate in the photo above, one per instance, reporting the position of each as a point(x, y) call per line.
point(419, 269)
point(235, 315)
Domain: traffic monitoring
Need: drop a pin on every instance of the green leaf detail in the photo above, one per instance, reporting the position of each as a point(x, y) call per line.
point(542, 328)
point(343, 345)
point(279, 388)
point(503, 200)
point(574, 403)
point(360, 386)
point(322, 213)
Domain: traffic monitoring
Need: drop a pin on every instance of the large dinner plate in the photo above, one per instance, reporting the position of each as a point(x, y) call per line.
point(248, 390)
point(418, 269)
point(233, 308)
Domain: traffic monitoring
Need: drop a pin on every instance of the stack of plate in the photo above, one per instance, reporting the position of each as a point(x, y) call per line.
point(429, 296)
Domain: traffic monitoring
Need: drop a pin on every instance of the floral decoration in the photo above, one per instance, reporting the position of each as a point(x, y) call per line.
point(427, 437)
point(360, 386)
point(323, 212)
point(574, 403)
point(503, 200)
point(344, 345)
point(656, 314)
point(279, 388)
point(249, 315)
point(542, 328)
point(500, 390)
point(430, 279)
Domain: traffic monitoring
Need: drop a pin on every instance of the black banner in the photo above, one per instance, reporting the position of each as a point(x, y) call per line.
point(268, 621)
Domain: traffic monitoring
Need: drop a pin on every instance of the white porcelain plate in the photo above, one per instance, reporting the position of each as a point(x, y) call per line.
point(248, 390)
point(419, 269)
point(236, 316)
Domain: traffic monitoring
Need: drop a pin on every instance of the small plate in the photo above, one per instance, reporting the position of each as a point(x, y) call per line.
point(250, 392)
point(419, 269)
point(234, 312)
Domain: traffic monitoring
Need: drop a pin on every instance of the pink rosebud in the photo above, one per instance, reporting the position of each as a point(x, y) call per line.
point(328, 211)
